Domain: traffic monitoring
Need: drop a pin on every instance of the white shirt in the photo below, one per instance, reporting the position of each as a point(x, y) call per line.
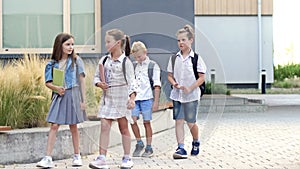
point(143, 82)
point(184, 76)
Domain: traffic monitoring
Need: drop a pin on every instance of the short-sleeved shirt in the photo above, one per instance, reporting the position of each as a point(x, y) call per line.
point(184, 76)
point(143, 82)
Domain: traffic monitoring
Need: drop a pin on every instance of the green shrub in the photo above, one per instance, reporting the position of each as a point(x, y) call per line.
point(289, 71)
point(216, 89)
point(24, 98)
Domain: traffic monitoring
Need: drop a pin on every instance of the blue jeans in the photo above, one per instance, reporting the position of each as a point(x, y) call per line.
point(143, 107)
point(187, 111)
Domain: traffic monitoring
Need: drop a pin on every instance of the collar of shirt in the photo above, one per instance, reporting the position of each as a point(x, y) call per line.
point(120, 59)
point(146, 61)
point(191, 54)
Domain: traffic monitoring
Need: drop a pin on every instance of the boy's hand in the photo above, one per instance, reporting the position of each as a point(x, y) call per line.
point(155, 106)
point(130, 104)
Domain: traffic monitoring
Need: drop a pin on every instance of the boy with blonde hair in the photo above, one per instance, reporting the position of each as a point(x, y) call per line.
point(146, 100)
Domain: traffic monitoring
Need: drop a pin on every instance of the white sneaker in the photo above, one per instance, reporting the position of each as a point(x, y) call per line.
point(76, 161)
point(46, 162)
point(98, 163)
point(126, 163)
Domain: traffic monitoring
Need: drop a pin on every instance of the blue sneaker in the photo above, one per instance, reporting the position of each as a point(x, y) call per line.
point(195, 148)
point(180, 154)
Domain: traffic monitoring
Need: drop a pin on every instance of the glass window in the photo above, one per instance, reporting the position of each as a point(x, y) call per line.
point(83, 21)
point(31, 23)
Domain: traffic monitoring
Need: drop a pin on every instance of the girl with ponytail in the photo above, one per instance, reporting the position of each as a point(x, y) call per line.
point(118, 98)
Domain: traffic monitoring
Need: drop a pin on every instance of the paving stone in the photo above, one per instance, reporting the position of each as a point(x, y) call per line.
point(268, 140)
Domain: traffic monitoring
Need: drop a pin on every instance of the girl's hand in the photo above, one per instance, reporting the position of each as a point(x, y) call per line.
point(61, 91)
point(186, 90)
point(155, 106)
point(103, 85)
point(82, 106)
point(130, 104)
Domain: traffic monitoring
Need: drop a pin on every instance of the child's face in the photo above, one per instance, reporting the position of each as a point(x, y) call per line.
point(184, 43)
point(68, 46)
point(140, 56)
point(110, 43)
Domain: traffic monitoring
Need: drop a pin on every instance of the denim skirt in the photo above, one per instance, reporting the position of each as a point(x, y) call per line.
point(66, 109)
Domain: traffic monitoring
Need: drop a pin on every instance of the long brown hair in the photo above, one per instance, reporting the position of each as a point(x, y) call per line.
point(57, 47)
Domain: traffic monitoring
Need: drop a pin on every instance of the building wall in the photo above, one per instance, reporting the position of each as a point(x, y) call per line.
point(229, 44)
point(232, 7)
point(227, 36)
point(226, 31)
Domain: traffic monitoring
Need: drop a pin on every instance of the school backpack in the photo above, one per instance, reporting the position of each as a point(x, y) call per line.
point(150, 72)
point(123, 66)
point(194, 62)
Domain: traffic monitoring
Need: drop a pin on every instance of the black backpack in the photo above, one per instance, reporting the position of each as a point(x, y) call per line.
point(194, 62)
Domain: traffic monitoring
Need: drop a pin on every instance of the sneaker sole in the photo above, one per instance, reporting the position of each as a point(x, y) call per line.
point(126, 167)
point(94, 167)
point(76, 165)
point(148, 156)
point(194, 154)
point(177, 156)
point(137, 154)
point(40, 166)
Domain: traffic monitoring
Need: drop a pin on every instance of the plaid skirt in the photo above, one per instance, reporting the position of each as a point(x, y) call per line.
point(113, 103)
point(66, 109)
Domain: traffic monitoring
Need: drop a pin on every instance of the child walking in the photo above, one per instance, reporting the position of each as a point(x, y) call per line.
point(119, 91)
point(146, 100)
point(185, 93)
point(67, 106)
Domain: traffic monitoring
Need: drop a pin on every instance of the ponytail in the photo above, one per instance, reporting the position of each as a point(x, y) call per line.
point(127, 46)
point(187, 29)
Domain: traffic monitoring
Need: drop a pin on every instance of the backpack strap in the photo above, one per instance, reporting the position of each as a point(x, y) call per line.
point(150, 73)
point(104, 60)
point(52, 65)
point(173, 62)
point(194, 62)
point(123, 66)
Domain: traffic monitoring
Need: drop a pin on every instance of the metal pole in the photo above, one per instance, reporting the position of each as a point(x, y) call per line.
point(213, 80)
point(213, 76)
point(259, 41)
point(263, 81)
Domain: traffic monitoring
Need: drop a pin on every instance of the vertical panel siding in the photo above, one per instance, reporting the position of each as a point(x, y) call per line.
point(232, 7)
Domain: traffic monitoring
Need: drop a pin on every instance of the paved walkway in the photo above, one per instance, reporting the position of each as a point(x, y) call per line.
point(269, 140)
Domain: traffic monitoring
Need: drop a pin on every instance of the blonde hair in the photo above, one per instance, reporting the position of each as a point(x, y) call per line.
point(138, 46)
point(187, 29)
point(119, 35)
